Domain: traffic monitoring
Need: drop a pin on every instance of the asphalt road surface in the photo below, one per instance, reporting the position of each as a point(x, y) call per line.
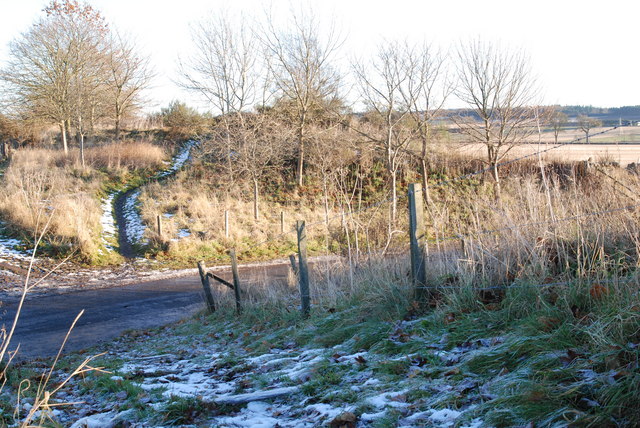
point(109, 312)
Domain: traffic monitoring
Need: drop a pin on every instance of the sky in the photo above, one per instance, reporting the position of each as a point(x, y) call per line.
point(583, 52)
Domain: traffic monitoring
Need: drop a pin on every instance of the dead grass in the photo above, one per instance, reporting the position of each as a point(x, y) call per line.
point(40, 184)
point(193, 208)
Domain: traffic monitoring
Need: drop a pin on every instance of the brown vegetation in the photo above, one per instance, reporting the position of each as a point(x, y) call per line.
point(44, 185)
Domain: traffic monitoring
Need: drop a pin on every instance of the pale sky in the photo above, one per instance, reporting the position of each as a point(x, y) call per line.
point(584, 52)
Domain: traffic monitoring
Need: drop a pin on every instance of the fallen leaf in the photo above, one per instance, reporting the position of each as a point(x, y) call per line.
point(453, 371)
point(402, 398)
point(344, 420)
point(598, 290)
point(449, 318)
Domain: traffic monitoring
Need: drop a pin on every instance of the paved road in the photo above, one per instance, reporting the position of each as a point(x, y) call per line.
point(111, 311)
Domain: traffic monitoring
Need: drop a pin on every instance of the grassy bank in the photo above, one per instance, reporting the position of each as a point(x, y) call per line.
point(46, 189)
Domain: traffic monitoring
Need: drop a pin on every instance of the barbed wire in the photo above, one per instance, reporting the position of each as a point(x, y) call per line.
point(601, 171)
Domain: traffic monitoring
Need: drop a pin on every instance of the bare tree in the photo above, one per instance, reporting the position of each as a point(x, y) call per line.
point(327, 157)
point(557, 121)
point(586, 123)
point(499, 87)
point(380, 83)
point(300, 61)
point(425, 91)
point(223, 69)
point(129, 73)
point(46, 61)
point(258, 145)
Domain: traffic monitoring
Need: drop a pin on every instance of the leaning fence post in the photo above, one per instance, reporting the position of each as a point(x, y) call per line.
point(206, 285)
point(303, 269)
point(236, 279)
point(226, 223)
point(417, 240)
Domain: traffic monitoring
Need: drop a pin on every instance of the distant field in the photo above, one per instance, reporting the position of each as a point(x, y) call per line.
point(624, 134)
point(623, 153)
point(621, 145)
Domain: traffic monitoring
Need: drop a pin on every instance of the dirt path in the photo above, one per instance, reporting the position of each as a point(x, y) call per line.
point(109, 312)
point(125, 247)
point(129, 225)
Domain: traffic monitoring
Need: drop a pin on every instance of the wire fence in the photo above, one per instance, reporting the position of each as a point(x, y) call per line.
point(351, 214)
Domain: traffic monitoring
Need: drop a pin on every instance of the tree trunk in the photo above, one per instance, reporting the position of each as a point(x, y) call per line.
point(82, 149)
point(118, 120)
point(256, 213)
point(80, 138)
point(300, 171)
point(394, 195)
point(67, 128)
point(326, 198)
point(496, 178)
point(63, 134)
point(424, 172)
point(391, 169)
point(92, 125)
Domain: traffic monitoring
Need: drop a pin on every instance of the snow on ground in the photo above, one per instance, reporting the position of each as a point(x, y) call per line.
point(8, 248)
point(179, 159)
point(134, 225)
point(261, 390)
point(108, 222)
point(183, 233)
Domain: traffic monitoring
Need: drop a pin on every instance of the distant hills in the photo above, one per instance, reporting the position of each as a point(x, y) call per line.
point(608, 115)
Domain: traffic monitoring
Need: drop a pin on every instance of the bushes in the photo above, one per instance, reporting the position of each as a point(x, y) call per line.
point(182, 121)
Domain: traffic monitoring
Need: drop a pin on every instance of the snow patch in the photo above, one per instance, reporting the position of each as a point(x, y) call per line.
point(260, 415)
point(133, 222)
point(8, 248)
point(444, 417)
point(391, 399)
point(108, 222)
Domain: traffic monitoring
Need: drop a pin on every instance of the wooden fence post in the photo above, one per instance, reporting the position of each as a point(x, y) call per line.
point(226, 223)
point(159, 223)
point(281, 221)
point(303, 268)
point(417, 240)
point(206, 285)
point(236, 280)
